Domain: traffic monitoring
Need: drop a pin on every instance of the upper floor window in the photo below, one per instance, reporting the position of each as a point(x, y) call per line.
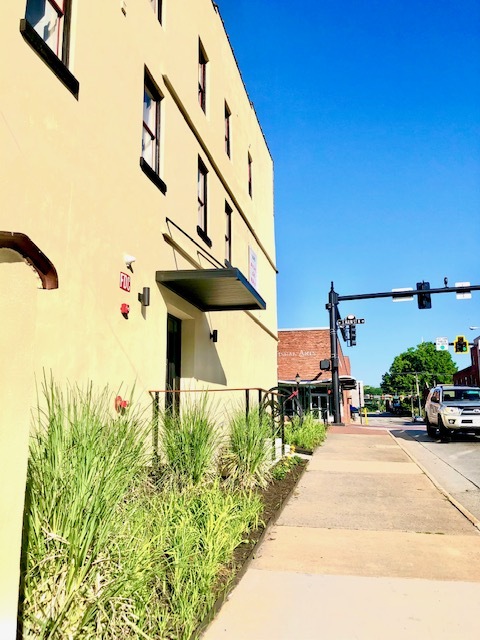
point(150, 160)
point(250, 179)
point(151, 125)
point(228, 233)
point(202, 202)
point(157, 9)
point(227, 130)
point(50, 19)
point(202, 77)
point(46, 28)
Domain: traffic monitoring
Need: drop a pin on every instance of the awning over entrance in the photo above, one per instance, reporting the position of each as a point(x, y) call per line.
point(213, 289)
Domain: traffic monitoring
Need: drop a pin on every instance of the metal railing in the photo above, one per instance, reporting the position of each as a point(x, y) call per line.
point(269, 402)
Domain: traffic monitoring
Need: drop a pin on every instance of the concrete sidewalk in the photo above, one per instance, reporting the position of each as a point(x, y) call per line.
point(366, 548)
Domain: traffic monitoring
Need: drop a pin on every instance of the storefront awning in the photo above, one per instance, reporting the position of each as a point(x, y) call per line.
point(213, 289)
point(346, 382)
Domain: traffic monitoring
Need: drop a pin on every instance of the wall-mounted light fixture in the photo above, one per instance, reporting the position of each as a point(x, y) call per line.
point(129, 260)
point(214, 336)
point(144, 297)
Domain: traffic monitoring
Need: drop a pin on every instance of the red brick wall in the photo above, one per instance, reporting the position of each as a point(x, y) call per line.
point(470, 375)
point(300, 351)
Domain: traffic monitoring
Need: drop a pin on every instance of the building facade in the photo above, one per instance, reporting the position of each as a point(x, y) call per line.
point(137, 184)
point(303, 355)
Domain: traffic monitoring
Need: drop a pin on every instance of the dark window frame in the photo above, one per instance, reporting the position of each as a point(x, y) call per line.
point(202, 202)
point(250, 176)
point(157, 6)
point(58, 65)
point(228, 233)
point(228, 137)
point(150, 88)
point(202, 77)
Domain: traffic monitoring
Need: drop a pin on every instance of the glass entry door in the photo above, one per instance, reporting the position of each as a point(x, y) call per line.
point(320, 406)
point(174, 359)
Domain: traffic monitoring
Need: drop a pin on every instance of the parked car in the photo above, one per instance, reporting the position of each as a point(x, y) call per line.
point(452, 409)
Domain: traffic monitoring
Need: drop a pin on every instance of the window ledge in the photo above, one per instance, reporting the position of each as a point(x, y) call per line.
point(48, 56)
point(204, 236)
point(154, 177)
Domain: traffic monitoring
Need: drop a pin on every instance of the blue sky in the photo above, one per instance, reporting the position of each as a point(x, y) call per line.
point(371, 111)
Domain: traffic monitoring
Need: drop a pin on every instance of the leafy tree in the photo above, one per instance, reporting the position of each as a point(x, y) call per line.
point(372, 391)
point(431, 366)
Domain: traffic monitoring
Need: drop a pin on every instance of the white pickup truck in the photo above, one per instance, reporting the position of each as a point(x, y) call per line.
point(451, 409)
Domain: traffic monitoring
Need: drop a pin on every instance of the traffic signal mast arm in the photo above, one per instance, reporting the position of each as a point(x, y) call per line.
point(332, 307)
point(410, 292)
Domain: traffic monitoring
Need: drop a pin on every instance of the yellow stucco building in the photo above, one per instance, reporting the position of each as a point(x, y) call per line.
point(136, 182)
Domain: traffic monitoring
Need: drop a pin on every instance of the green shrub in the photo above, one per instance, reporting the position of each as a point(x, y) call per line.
point(189, 443)
point(247, 458)
point(282, 468)
point(306, 434)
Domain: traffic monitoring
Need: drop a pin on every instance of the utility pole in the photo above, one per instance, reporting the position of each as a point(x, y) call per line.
point(418, 395)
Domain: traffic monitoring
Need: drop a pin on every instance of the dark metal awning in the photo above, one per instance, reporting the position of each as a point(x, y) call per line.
point(213, 289)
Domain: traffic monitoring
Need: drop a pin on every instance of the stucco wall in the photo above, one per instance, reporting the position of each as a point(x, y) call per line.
point(71, 180)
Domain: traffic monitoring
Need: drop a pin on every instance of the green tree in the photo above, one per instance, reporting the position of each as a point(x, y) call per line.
point(430, 366)
point(372, 391)
point(371, 403)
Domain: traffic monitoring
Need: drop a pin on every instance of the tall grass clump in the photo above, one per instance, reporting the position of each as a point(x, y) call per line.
point(306, 433)
point(247, 458)
point(189, 442)
point(196, 531)
point(109, 552)
point(83, 462)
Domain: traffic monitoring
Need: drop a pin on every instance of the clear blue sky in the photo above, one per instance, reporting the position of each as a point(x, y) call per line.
point(371, 110)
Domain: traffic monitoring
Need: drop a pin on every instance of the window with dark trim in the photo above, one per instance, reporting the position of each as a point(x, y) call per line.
point(228, 233)
point(250, 179)
point(150, 160)
point(202, 77)
point(157, 9)
point(46, 28)
point(227, 130)
point(202, 202)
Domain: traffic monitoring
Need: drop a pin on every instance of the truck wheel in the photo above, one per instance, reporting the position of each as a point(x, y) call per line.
point(431, 429)
point(444, 432)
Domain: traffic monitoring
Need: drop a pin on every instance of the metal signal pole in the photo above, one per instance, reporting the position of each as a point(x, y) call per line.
point(332, 307)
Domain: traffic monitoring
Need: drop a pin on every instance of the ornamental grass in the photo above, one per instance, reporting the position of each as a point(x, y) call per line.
point(247, 457)
point(107, 553)
point(306, 432)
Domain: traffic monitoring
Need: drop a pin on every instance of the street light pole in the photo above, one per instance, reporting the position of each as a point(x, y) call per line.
point(332, 307)
point(298, 380)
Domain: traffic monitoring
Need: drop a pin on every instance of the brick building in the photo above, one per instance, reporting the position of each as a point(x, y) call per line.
point(470, 375)
point(300, 351)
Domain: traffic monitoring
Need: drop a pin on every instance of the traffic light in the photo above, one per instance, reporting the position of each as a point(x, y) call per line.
point(424, 299)
point(353, 335)
point(460, 344)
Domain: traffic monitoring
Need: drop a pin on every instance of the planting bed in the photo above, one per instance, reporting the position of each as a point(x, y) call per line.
point(274, 497)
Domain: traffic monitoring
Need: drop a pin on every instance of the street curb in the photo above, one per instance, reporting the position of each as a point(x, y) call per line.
point(463, 510)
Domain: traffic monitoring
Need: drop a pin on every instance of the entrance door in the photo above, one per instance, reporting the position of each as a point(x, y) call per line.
point(174, 359)
point(319, 406)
